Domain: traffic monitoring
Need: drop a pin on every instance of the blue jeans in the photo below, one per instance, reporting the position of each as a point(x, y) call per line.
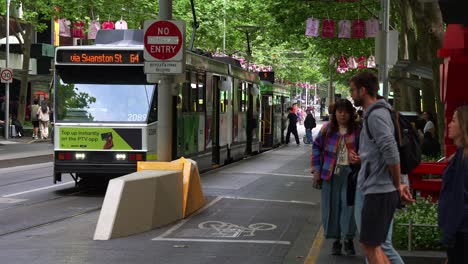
point(309, 136)
point(386, 246)
point(337, 217)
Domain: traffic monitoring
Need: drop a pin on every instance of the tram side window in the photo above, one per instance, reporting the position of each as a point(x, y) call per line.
point(186, 94)
point(243, 97)
point(193, 93)
point(223, 101)
point(201, 85)
point(277, 103)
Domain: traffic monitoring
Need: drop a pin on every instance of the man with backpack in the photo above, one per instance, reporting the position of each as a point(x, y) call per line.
point(378, 189)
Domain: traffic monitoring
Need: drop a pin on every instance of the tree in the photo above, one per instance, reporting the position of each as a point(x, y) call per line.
point(280, 40)
point(37, 13)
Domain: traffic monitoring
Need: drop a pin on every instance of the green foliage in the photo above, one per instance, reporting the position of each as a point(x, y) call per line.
point(433, 158)
point(70, 98)
point(422, 212)
point(279, 40)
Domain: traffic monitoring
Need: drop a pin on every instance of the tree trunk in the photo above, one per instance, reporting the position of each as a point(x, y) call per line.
point(436, 35)
point(26, 49)
point(400, 87)
point(430, 36)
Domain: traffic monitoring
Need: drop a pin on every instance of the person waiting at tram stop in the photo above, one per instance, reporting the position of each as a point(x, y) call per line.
point(43, 117)
point(453, 202)
point(309, 124)
point(34, 118)
point(429, 125)
point(292, 127)
point(331, 169)
point(18, 127)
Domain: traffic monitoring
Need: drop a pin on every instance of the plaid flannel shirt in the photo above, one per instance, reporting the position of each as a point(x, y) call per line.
point(329, 149)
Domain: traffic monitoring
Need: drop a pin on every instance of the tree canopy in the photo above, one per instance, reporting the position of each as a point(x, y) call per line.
point(279, 41)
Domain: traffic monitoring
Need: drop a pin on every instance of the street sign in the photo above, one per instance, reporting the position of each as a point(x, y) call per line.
point(168, 67)
point(6, 75)
point(164, 40)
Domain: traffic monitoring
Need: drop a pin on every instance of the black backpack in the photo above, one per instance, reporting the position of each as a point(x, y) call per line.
point(407, 140)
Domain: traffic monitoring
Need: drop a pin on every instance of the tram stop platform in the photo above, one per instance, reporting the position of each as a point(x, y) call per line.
point(262, 209)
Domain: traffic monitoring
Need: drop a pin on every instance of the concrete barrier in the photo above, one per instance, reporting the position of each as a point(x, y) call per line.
point(140, 202)
point(157, 194)
point(193, 195)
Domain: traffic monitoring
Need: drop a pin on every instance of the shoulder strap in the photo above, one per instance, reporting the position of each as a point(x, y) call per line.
point(367, 117)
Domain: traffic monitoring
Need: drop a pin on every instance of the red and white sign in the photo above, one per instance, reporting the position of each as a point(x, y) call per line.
point(164, 40)
point(6, 75)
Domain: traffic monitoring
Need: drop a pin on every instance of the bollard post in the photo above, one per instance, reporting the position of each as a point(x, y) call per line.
point(410, 235)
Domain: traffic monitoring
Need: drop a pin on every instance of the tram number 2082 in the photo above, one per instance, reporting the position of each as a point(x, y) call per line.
point(136, 117)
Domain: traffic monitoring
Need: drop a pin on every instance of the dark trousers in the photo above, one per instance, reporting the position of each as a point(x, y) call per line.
point(294, 131)
point(459, 253)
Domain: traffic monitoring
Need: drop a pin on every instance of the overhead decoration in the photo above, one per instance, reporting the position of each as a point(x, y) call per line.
point(350, 63)
point(328, 28)
point(77, 30)
point(312, 27)
point(252, 66)
point(355, 28)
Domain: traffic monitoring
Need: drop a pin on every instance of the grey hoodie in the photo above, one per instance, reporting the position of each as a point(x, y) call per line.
point(374, 176)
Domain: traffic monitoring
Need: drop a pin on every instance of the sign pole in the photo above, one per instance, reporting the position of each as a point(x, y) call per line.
point(7, 85)
point(164, 134)
point(383, 67)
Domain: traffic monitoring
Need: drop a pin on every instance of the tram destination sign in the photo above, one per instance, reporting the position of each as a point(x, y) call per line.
point(98, 56)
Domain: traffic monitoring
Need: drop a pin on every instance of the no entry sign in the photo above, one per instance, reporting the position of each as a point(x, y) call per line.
point(164, 40)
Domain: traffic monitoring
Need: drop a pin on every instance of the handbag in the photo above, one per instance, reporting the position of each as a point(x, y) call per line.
point(352, 180)
point(351, 187)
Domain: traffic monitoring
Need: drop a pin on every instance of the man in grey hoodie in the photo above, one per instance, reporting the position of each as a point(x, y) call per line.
point(379, 177)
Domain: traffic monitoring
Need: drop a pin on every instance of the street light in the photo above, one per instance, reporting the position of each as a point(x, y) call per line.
point(247, 30)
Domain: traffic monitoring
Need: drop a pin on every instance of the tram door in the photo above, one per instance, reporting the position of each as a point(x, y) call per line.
point(284, 112)
point(267, 120)
point(216, 157)
point(252, 120)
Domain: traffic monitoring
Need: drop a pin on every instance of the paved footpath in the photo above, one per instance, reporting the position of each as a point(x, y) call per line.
point(310, 246)
point(24, 151)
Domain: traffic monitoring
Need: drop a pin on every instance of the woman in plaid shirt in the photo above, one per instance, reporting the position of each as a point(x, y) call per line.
point(331, 169)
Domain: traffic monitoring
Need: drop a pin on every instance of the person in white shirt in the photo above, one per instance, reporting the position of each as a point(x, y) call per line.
point(429, 127)
point(43, 117)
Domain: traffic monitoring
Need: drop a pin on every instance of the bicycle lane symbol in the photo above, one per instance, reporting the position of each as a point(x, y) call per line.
point(223, 229)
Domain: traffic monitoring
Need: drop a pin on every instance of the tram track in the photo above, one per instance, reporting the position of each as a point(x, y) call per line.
point(25, 181)
point(44, 201)
point(75, 203)
point(50, 222)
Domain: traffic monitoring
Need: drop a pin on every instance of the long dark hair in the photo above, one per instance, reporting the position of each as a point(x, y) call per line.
point(343, 105)
point(44, 107)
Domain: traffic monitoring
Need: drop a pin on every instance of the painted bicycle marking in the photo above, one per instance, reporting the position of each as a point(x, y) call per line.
point(223, 229)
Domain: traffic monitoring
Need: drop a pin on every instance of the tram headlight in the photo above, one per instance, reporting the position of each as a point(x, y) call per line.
point(120, 156)
point(80, 156)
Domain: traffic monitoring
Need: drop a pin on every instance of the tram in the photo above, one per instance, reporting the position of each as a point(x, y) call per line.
point(106, 112)
point(275, 101)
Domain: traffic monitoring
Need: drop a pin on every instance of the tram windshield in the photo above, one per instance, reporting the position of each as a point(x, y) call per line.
point(78, 102)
